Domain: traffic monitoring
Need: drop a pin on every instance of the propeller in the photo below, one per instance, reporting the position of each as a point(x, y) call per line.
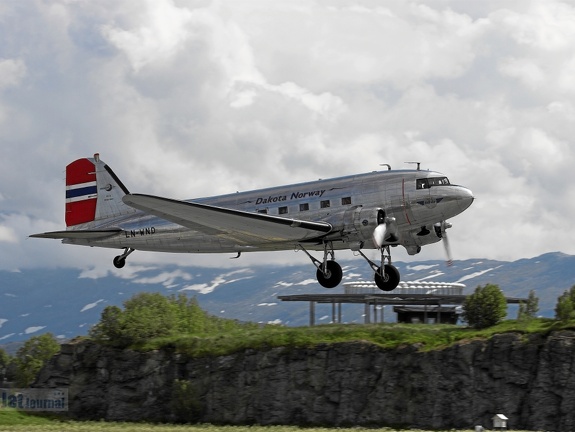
point(385, 232)
point(440, 229)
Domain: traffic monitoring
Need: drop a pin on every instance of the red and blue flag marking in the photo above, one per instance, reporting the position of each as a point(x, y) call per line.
point(81, 192)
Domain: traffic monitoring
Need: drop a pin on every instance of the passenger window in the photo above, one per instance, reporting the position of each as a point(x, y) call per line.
point(304, 207)
point(264, 211)
point(346, 201)
point(282, 210)
point(324, 204)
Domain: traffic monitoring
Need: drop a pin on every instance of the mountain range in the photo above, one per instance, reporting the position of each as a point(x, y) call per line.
point(67, 301)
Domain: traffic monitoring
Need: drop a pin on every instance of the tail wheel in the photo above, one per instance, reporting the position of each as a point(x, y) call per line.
point(389, 280)
point(119, 262)
point(332, 276)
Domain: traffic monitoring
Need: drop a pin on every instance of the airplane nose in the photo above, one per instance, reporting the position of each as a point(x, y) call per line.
point(465, 198)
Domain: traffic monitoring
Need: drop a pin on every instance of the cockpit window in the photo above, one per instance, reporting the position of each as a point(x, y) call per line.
point(426, 183)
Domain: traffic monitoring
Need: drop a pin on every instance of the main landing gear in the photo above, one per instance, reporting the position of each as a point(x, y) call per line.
point(386, 275)
point(120, 260)
point(329, 273)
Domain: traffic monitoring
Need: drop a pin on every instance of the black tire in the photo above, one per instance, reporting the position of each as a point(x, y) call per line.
point(333, 276)
point(119, 262)
point(388, 282)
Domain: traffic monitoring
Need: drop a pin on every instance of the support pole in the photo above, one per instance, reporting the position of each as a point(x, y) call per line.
point(311, 313)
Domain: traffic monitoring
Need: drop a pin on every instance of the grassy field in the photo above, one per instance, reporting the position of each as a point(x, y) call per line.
point(14, 421)
point(385, 335)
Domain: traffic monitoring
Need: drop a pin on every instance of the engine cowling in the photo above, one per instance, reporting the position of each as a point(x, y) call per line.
point(366, 220)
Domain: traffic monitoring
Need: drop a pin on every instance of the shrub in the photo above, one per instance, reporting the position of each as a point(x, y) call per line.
point(485, 307)
point(152, 315)
point(565, 307)
point(186, 404)
point(529, 309)
point(31, 356)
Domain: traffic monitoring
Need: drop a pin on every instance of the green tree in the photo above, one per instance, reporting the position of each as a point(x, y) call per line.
point(151, 315)
point(31, 356)
point(145, 316)
point(5, 360)
point(485, 307)
point(529, 309)
point(110, 327)
point(565, 307)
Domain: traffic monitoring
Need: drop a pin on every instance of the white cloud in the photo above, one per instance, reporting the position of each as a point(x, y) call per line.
point(11, 72)
point(546, 25)
point(156, 32)
point(7, 235)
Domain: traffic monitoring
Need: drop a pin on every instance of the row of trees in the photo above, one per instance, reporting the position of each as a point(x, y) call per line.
point(487, 307)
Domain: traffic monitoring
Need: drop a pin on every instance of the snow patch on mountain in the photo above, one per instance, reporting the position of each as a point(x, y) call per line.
point(476, 274)
point(91, 305)
point(33, 329)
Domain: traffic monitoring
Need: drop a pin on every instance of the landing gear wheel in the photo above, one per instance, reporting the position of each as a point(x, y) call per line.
point(332, 277)
point(119, 262)
point(389, 281)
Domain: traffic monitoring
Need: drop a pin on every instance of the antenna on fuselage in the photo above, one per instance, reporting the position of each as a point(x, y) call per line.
point(387, 165)
point(418, 165)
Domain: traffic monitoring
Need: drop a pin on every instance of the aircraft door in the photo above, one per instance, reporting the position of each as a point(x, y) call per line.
point(399, 202)
point(350, 218)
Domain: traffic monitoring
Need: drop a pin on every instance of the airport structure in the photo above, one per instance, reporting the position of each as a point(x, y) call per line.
point(413, 302)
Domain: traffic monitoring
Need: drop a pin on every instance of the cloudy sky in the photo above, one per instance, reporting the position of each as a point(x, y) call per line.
point(195, 98)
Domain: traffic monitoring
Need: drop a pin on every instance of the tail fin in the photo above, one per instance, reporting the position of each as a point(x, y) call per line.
point(93, 194)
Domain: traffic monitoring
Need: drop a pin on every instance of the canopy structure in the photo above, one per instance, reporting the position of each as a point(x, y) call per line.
point(436, 297)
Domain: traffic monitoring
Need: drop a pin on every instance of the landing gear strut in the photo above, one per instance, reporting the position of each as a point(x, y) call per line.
point(386, 275)
point(329, 272)
point(120, 260)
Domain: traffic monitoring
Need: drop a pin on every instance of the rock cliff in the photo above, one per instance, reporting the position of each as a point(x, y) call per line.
point(530, 379)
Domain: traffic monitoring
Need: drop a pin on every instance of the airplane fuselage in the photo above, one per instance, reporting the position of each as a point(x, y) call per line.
point(351, 205)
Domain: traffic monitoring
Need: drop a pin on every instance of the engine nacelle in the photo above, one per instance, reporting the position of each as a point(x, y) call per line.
point(366, 220)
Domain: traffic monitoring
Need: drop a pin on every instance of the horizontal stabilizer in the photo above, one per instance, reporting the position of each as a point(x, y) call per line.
point(79, 234)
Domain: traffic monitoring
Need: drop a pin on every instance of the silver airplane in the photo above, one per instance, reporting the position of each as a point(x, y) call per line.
point(376, 210)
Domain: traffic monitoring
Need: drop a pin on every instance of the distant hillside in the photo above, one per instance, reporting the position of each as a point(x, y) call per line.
point(66, 302)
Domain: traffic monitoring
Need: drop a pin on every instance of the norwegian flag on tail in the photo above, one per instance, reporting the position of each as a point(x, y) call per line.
point(81, 192)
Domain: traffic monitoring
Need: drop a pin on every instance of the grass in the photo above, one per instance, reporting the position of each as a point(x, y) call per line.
point(12, 417)
point(14, 421)
point(429, 337)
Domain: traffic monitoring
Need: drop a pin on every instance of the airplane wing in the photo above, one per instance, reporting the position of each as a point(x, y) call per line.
point(241, 226)
point(79, 234)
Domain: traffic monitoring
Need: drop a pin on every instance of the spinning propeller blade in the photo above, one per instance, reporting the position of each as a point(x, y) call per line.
point(441, 228)
point(385, 232)
point(379, 235)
